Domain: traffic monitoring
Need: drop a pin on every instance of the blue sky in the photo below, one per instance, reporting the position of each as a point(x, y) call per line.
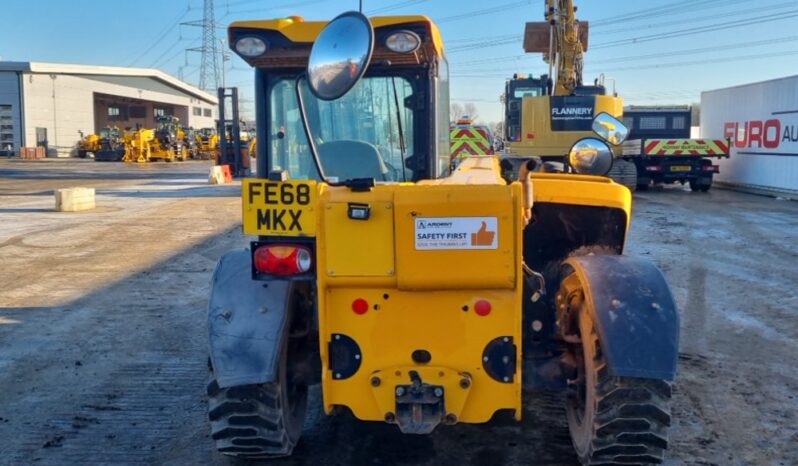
point(657, 51)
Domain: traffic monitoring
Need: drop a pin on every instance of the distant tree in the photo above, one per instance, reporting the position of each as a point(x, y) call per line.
point(471, 110)
point(497, 129)
point(455, 111)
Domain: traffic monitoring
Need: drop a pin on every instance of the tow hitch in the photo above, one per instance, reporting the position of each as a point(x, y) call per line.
point(419, 406)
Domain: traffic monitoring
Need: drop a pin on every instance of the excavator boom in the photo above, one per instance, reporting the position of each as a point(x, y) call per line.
point(545, 116)
point(562, 40)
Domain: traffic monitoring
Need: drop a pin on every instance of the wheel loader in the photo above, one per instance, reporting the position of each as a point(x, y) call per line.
point(415, 296)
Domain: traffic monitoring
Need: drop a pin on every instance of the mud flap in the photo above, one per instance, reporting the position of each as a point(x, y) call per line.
point(635, 315)
point(246, 322)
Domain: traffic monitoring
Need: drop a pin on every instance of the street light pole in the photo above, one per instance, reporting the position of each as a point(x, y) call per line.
point(225, 57)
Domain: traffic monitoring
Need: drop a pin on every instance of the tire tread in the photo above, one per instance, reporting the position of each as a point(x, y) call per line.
point(632, 420)
point(247, 421)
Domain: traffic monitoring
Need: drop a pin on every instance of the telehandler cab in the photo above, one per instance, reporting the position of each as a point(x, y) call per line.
point(415, 296)
point(112, 147)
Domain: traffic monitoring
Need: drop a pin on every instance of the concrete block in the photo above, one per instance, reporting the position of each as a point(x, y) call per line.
point(74, 199)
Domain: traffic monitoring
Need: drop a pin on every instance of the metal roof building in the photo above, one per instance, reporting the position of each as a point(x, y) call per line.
point(51, 104)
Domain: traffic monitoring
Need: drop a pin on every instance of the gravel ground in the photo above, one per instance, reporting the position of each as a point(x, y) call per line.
point(103, 340)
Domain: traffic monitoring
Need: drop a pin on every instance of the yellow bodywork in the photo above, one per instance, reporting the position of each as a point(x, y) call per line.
point(297, 30)
point(563, 48)
point(89, 143)
point(252, 149)
point(143, 146)
point(419, 298)
point(568, 49)
point(138, 145)
point(415, 306)
point(207, 144)
point(537, 137)
point(394, 288)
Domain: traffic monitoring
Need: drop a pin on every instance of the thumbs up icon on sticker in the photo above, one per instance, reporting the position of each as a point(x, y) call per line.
point(482, 237)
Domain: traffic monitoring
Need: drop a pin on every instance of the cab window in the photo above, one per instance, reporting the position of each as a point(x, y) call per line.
point(357, 136)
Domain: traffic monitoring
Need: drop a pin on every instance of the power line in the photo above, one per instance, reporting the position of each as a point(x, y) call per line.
point(686, 6)
point(713, 16)
point(154, 63)
point(492, 60)
point(286, 5)
point(397, 6)
point(158, 63)
point(722, 47)
point(494, 9)
point(757, 56)
point(479, 39)
point(166, 32)
point(659, 65)
point(482, 45)
point(700, 30)
point(474, 43)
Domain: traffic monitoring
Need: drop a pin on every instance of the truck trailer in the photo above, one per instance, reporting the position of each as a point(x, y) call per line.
point(761, 120)
point(662, 151)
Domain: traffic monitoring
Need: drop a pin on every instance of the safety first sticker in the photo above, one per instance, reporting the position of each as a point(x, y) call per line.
point(456, 233)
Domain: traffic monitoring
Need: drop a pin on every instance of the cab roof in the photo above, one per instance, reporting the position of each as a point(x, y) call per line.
point(291, 38)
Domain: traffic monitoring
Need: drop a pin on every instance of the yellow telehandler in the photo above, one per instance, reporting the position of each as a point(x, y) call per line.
point(415, 296)
point(88, 144)
point(207, 142)
point(166, 142)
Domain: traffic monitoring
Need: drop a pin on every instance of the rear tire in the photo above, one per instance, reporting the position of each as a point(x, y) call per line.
point(259, 421)
point(701, 184)
point(613, 420)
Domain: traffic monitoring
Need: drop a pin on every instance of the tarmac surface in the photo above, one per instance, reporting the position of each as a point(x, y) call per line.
point(103, 329)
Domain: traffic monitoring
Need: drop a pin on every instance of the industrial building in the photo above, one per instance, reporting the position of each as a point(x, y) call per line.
point(761, 121)
point(52, 104)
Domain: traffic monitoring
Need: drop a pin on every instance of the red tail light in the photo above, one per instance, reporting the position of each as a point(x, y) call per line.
point(360, 306)
point(482, 307)
point(283, 259)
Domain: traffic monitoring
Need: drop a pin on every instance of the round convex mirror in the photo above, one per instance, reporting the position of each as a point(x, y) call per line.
point(340, 55)
point(590, 156)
